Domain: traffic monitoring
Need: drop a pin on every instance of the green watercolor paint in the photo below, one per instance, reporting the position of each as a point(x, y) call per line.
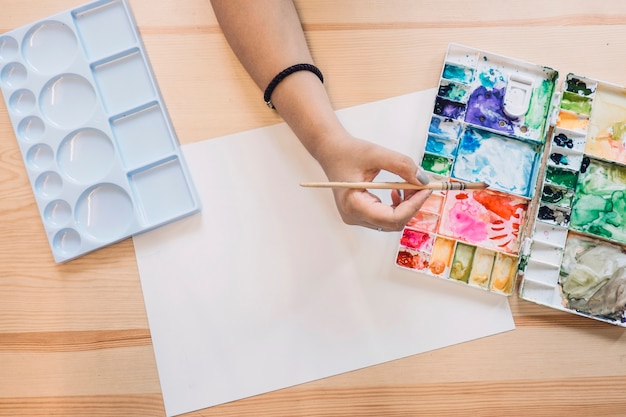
point(576, 103)
point(539, 102)
point(561, 177)
point(458, 73)
point(599, 206)
point(618, 131)
point(452, 91)
point(578, 86)
point(436, 164)
point(462, 262)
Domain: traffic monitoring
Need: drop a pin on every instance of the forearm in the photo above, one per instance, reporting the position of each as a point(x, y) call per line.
point(267, 37)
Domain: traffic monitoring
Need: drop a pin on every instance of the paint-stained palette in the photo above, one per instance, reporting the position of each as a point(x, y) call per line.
point(555, 212)
point(101, 154)
point(489, 123)
point(576, 255)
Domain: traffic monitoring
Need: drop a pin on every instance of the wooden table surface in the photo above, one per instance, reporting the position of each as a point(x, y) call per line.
point(74, 338)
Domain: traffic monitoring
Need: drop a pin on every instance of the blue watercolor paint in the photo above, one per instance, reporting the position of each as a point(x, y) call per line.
point(491, 77)
point(505, 164)
point(484, 108)
point(444, 127)
point(448, 108)
point(559, 159)
point(458, 73)
point(441, 146)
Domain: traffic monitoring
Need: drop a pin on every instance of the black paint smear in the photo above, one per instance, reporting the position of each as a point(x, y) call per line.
point(563, 141)
point(552, 195)
point(558, 158)
point(546, 213)
point(585, 164)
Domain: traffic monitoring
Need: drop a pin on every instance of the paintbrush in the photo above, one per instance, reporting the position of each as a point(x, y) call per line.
point(444, 186)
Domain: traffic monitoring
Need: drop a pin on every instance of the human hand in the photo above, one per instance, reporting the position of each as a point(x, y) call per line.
point(352, 159)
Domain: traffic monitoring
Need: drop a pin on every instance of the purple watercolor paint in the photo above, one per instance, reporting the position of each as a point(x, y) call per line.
point(484, 108)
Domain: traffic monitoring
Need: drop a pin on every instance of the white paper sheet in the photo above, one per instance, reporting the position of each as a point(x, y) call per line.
point(267, 288)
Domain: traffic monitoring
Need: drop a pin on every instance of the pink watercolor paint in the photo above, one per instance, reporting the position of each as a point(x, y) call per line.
point(417, 240)
point(487, 218)
point(424, 221)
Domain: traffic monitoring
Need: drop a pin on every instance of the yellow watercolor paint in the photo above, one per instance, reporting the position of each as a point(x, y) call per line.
point(504, 272)
point(482, 266)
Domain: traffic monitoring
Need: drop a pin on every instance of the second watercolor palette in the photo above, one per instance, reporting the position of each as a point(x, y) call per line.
point(554, 216)
point(100, 151)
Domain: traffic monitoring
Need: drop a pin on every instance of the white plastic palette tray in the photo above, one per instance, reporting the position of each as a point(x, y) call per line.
point(101, 154)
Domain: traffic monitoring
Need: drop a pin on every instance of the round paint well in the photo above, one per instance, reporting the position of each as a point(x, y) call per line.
point(48, 185)
point(22, 102)
point(40, 156)
point(86, 155)
point(104, 212)
point(67, 242)
point(50, 47)
point(13, 75)
point(8, 48)
point(31, 129)
point(67, 100)
point(58, 213)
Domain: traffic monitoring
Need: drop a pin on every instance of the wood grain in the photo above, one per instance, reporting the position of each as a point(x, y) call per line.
point(74, 338)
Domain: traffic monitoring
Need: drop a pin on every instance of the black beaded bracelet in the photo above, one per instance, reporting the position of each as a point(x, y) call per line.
point(267, 96)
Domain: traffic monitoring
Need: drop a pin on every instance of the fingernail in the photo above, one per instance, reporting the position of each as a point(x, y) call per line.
point(422, 176)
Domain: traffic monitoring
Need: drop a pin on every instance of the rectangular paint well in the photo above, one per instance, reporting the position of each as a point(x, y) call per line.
point(504, 273)
point(445, 127)
point(412, 259)
point(484, 156)
point(441, 256)
point(551, 235)
point(462, 262)
point(557, 196)
point(449, 108)
point(540, 293)
point(417, 240)
point(607, 127)
point(441, 146)
point(568, 140)
point(458, 73)
point(453, 91)
point(576, 103)
point(599, 206)
point(424, 220)
point(486, 218)
point(546, 254)
point(482, 267)
point(542, 273)
point(564, 177)
point(436, 164)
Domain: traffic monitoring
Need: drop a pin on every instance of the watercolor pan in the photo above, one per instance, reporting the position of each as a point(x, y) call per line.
point(100, 151)
point(553, 221)
point(487, 106)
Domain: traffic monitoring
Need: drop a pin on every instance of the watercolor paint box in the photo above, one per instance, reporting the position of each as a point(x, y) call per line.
point(554, 217)
point(100, 151)
point(575, 256)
